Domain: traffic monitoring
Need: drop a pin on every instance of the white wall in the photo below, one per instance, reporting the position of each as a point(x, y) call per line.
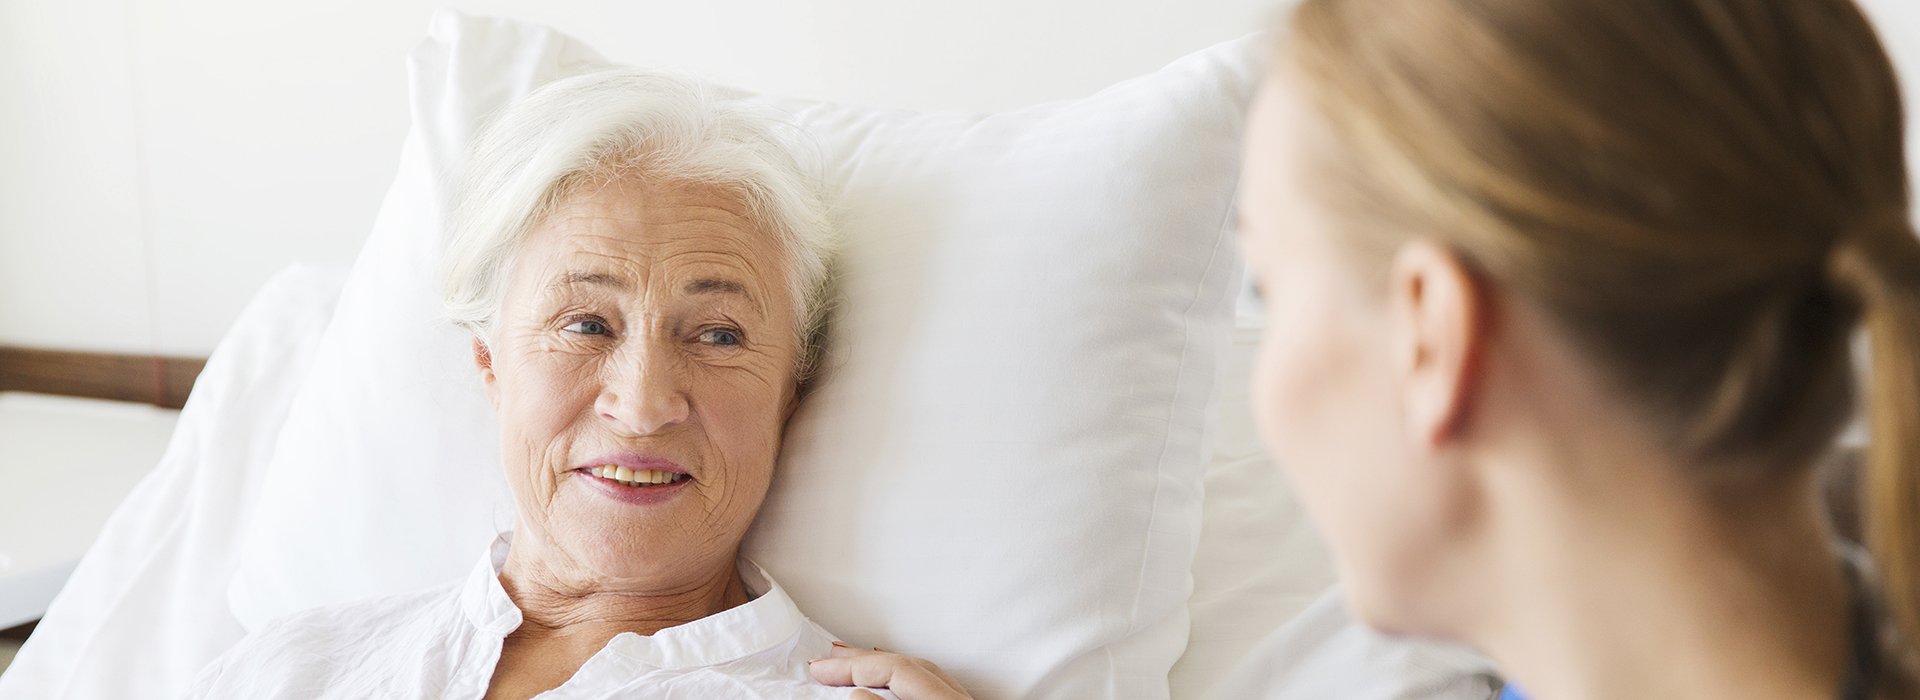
point(159, 159)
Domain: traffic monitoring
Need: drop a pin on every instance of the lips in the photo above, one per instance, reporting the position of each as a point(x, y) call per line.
point(635, 478)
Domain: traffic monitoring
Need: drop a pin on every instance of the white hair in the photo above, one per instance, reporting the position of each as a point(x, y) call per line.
point(595, 128)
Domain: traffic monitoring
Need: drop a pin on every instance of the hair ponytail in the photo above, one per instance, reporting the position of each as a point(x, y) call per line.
point(1880, 267)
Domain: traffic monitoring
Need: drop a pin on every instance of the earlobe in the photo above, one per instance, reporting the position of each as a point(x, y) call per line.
point(1440, 333)
point(793, 403)
point(483, 361)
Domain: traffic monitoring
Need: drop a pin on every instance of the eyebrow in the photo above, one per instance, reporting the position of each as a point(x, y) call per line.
point(717, 285)
point(600, 279)
point(714, 286)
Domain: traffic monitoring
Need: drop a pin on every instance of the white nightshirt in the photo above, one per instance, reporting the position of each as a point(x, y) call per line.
point(444, 642)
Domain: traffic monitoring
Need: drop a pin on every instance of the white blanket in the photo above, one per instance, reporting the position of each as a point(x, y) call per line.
point(147, 606)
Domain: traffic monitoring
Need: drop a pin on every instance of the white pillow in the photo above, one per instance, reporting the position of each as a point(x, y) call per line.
point(1260, 562)
point(1001, 470)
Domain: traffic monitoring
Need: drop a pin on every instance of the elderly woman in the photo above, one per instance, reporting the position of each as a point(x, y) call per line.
point(642, 265)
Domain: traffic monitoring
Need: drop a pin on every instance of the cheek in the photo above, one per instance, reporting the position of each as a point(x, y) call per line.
point(1305, 388)
point(1293, 396)
point(1323, 401)
point(1327, 407)
point(740, 415)
point(542, 398)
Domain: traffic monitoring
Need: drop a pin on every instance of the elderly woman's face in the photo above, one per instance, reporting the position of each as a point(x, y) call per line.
point(646, 335)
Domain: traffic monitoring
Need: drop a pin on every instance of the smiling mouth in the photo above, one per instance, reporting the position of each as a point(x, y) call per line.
point(637, 478)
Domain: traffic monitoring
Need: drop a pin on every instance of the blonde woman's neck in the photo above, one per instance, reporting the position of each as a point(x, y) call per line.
point(1608, 576)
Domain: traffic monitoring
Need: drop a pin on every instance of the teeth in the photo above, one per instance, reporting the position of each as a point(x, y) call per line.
point(633, 477)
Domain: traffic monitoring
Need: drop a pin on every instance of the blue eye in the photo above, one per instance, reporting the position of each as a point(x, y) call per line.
point(587, 327)
point(720, 336)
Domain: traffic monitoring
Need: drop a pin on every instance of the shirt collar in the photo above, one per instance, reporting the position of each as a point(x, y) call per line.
point(483, 599)
point(768, 620)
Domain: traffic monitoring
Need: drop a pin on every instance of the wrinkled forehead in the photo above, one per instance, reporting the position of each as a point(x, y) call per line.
point(639, 236)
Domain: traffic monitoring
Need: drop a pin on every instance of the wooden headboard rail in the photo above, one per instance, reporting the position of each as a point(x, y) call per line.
point(161, 381)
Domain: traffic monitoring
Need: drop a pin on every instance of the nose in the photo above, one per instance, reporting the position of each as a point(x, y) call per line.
point(644, 392)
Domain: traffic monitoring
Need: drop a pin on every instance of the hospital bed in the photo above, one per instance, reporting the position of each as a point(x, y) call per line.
point(1232, 595)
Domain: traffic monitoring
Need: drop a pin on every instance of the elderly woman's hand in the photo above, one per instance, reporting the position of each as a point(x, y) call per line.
point(909, 678)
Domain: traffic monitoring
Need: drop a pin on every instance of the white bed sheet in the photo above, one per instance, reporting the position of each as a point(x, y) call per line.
point(146, 607)
point(1321, 653)
point(62, 483)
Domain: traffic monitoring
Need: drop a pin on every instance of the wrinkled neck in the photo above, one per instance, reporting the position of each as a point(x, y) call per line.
point(555, 602)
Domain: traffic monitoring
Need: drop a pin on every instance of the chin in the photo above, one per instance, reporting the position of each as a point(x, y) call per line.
point(1381, 602)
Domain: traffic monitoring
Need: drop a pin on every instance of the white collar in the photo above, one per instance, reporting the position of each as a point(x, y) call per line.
point(768, 620)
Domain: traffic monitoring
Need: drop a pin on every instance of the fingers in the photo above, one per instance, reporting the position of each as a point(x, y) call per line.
point(907, 677)
point(864, 695)
point(842, 651)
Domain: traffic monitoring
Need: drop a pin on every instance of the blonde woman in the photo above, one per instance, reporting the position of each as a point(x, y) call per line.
point(1561, 296)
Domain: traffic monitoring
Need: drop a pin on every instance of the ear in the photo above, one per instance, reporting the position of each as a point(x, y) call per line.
point(794, 394)
point(483, 361)
point(1440, 332)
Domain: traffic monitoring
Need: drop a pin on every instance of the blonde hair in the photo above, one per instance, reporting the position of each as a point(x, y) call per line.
point(1710, 196)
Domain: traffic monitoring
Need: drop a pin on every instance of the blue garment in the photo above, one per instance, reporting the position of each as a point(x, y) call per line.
point(1511, 692)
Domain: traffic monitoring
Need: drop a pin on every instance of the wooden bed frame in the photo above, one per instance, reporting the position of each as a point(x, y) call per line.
point(161, 381)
